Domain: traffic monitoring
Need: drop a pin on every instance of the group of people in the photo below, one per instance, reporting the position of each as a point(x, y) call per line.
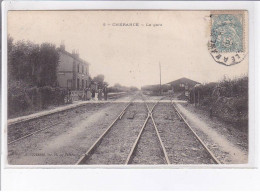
point(88, 94)
point(92, 94)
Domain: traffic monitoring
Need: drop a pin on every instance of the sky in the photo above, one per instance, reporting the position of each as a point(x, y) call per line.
point(130, 55)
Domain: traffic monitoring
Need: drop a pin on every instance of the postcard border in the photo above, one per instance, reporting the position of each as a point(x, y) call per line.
point(209, 6)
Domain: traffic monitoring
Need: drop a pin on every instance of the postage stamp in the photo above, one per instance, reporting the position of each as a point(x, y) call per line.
point(227, 37)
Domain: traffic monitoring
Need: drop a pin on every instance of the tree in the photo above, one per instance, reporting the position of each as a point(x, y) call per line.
point(10, 46)
point(106, 83)
point(133, 88)
point(32, 63)
point(47, 66)
point(99, 79)
point(117, 85)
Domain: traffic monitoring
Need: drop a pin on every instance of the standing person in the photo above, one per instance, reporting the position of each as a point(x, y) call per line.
point(69, 97)
point(88, 94)
point(85, 94)
point(93, 94)
point(105, 92)
point(99, 94)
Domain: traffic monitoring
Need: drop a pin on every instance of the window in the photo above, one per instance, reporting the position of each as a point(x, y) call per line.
point(82, 69)
point(69, 83)
point(82, 84)
point(78, 84)
point(78, 68)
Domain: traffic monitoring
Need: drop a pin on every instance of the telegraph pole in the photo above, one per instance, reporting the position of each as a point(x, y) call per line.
point(160, 79)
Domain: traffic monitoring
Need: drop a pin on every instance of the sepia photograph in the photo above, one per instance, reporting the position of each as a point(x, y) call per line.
point(127, 87)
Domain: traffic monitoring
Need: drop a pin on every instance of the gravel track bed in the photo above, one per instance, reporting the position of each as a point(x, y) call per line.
point(237, 139)
point(66, 142)
point(153, 98)
point(21, 129)
point(226, 147)
point(117, 144)
point(148, 150)
point(240, 138)
point(151, 104)
point(180, 143)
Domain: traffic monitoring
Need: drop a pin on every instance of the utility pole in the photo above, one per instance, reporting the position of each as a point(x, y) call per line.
point(160, 79)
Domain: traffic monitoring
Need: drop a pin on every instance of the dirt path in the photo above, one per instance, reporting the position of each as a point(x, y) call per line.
point(228, 148)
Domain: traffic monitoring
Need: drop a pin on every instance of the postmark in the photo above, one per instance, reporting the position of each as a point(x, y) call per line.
point(227, 37)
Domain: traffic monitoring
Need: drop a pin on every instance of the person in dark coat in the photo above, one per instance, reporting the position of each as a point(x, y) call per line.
point(105, 93)
point(93, 94)
point(99, 94)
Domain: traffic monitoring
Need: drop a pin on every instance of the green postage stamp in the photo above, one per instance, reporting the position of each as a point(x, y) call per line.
point(228, 39)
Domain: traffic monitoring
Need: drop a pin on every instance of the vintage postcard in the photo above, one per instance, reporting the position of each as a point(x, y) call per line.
point(127, 88)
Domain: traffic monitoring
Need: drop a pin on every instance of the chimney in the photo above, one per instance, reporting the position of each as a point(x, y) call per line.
point(75, 53)
point(62, 46)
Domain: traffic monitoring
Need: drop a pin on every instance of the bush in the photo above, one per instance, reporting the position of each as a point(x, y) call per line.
point(32, 75)
point(23, 98)
point(227, 100)
point(17, 100)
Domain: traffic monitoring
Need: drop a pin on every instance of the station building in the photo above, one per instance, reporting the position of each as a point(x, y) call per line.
point(72, 72)
point(182, 84)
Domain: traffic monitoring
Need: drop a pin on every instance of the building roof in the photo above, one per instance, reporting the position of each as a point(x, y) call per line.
point(73, 56)
point(183, 80)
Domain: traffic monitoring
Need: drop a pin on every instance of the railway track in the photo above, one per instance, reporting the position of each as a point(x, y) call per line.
point(149, 136)
point(89, 157)
point(84, 158)
point(181, 144)
point(24, 129)
point(33, 133)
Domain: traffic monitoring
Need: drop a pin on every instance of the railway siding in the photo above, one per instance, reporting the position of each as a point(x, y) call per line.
point(20, 129)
